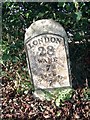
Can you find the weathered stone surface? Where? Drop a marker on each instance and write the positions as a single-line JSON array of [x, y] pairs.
[[47, 53]]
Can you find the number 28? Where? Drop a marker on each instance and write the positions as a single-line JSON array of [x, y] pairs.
[[49, 50]]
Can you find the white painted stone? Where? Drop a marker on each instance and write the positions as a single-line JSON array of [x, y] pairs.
[[47, 54]]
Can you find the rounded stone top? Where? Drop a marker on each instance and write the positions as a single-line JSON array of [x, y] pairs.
[[44, 26]]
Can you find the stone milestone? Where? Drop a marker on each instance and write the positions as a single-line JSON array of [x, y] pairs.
[[47, 54]]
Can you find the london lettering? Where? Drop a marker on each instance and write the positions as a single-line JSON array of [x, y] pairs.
[[44, 39]]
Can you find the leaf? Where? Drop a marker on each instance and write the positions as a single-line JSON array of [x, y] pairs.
[[27, 15], [64, 95], [79, 15], [77, 36]]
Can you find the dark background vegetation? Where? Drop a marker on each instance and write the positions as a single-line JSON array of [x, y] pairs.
[[74, 17], [16, 17]]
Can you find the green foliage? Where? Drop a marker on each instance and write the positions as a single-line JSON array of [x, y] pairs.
[[57, 94], [64, 94], [87, 93], [17, 16]]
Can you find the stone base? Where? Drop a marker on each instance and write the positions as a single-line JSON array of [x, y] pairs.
[[52, 94]]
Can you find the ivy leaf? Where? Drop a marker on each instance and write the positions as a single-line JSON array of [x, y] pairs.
[[79, 15]]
